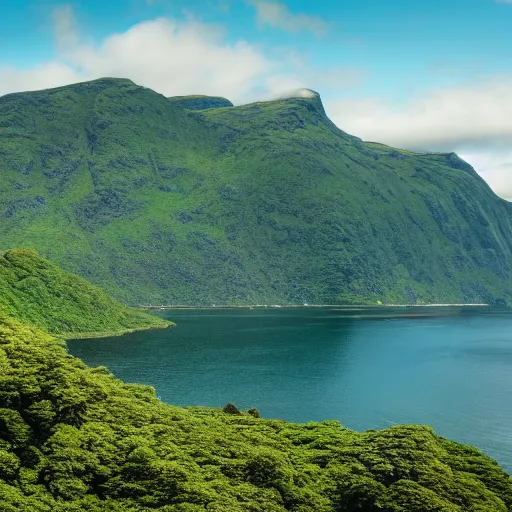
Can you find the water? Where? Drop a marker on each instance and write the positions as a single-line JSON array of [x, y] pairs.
[[445, 367]]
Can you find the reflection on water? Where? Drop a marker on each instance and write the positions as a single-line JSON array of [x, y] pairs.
[[447, 367]]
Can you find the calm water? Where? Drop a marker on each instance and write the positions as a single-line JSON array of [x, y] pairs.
[[368, 369]]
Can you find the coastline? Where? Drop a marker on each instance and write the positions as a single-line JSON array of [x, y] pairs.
[[106, 334], [304, 306]]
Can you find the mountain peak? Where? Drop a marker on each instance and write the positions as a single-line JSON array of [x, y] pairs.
[[305, 96], [89, 86], [102, 83], [110, 80]]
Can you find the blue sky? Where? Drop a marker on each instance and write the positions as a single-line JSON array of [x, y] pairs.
[[433, 75], [404, 46]]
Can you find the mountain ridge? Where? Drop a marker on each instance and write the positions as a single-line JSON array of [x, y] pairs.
[[262, 203]]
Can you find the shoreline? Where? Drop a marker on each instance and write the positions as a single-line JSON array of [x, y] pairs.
[[106, 334], [305, 306]]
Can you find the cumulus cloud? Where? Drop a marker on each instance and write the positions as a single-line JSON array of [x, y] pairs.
[[471, 116], [177, 58], [174, 58], [171, 57], [471, 120], [495, 167], [277, 15], [42, 76]]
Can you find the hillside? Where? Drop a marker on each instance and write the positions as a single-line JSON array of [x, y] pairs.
[[92, 443], [264, 203], [40, 293], [200, 102]]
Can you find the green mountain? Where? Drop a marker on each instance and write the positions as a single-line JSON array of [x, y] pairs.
[[159, 202], [40, 293], [75, 439], [199, 102]]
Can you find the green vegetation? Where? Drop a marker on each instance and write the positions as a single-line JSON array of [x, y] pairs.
[[192, 200], [39, 293], [267, 203], [199, 102], [75, 439]]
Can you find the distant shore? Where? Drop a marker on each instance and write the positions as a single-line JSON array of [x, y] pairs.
[[287, 306]]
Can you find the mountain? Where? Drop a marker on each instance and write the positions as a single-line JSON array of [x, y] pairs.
[[39, 293], [74, 438], [159, 202], [200, 102]]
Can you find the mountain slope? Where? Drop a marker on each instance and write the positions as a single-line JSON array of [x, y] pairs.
[[73, 438], [263, 203], [39, 293], [200, 102]]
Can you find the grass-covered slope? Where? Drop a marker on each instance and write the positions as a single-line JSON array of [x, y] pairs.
[[39, 293], [263, 203], [200, 102], [74, 438]]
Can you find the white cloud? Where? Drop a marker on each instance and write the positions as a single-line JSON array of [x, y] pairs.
[[471, 120], [496, 169], [171, 57], [65, 27], [277, 15], [304, 76], [301, 92], [471, 116], [174, 58], [177, 58], [42, 76]]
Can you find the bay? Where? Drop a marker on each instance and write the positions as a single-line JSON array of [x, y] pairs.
[[450, 368]]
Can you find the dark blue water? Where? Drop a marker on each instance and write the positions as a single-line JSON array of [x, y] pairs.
[[448, 368]]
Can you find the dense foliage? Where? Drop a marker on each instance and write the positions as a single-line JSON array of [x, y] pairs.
[[39, 293], [75, 439], [266, 203]]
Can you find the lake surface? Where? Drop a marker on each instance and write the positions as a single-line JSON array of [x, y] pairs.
[[445, 367]]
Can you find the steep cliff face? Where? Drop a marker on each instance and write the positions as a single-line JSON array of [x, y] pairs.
[[262, 203]]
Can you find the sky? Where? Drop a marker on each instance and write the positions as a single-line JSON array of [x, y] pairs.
[[421, 75]]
